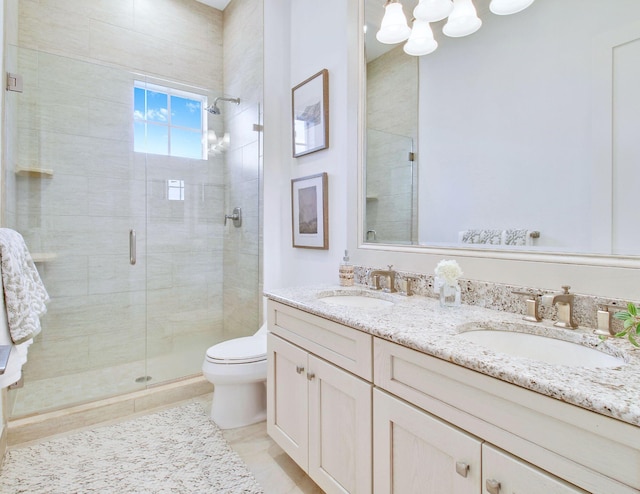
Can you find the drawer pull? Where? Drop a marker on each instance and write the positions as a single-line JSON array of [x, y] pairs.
[[462, 468], [493, 486], [311, 376], [299, 369]]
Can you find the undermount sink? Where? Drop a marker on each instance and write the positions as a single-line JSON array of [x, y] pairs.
[[542, 348], [356, 300]]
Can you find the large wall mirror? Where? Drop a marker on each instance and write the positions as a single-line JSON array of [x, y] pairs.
[[522, 136]]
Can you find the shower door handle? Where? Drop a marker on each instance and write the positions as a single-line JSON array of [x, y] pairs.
[[132, 246]]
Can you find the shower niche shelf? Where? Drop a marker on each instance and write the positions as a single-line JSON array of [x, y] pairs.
[[34, 171], [43, 256]]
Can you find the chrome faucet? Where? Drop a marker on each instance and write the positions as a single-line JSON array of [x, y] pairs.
[[389, 274], [564, 301]]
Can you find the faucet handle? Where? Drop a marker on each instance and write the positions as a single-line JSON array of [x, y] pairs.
[[389, 266], [604, 322], [376, 282], [532, 304], [410, 287], [565, 289]]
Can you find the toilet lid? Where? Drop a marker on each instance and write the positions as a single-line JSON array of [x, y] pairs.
[[239, 350]]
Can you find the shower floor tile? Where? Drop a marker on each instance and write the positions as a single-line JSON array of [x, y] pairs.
[[62, 391]]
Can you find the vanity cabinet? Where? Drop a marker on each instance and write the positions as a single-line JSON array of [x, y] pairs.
[[362, 414], [317, 411], [531, 443], [415, 452]]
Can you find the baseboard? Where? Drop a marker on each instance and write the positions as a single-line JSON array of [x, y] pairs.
[[48, 424]]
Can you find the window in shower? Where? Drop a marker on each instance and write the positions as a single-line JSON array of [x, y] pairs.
[[168, 121], [175, 190]]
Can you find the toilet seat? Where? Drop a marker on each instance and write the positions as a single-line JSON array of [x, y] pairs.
[[244, 350]]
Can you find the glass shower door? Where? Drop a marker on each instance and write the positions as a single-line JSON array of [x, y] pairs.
[[132, 247], [390, 184], [75, 191]]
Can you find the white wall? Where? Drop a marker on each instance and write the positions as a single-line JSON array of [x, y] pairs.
[[508, 127], [301, 38]]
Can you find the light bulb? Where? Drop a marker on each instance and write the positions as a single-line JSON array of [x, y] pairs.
[[394, 28], [507, 7], [433, 10], [463, 21], [421, 41]]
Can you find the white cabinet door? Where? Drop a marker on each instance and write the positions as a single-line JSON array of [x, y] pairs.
[[339, 429], [287, 400], [415, 453], [320, 415], [505, 474]]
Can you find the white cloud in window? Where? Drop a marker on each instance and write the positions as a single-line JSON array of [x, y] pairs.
[[193, 107], [159, 115]]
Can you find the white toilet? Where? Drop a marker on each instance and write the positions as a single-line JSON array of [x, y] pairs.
[[238, 370]]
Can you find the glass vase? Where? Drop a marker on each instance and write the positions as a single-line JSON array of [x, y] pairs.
[[449, 295]]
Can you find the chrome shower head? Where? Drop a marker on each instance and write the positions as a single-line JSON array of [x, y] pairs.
[[214, 110]]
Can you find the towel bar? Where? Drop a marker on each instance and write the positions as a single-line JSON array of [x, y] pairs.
[[5, 350]]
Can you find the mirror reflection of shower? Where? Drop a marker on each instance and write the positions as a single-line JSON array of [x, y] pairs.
[[218, 145]]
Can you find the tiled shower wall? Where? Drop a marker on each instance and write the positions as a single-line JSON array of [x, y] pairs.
[[243, 69], [74, 117]]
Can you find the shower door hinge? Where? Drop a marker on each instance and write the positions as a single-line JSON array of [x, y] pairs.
[[258, 128], [412, 156], [14, 82]]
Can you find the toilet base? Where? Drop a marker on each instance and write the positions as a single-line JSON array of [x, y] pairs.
[[238, 405]]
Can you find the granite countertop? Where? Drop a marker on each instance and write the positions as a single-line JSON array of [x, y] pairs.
[[421, 324]]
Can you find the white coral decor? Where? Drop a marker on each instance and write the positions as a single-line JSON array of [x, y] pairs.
[[448, 271]]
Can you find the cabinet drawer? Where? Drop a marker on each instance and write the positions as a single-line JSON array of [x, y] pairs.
[[560, 438], [508, 474], [346, 347]]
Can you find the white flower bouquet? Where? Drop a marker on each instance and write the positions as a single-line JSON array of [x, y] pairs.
[[446, 283], [448, 271]]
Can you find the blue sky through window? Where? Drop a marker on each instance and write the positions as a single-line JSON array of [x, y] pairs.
[[168, 122]]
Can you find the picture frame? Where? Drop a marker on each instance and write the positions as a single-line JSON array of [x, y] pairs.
[[310, 114], [309, 212]]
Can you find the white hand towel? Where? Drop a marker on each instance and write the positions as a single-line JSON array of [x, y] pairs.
[[17, 359], [24, 294]]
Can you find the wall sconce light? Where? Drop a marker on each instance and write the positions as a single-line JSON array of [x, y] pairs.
[[433, 10], [394, 27], [462, 20], [508, 7], [421, 41]]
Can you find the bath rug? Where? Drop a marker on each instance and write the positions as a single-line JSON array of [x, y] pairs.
[[176, 451]]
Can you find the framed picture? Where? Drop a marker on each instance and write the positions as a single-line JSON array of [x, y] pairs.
[[310, 104], [309, 218]]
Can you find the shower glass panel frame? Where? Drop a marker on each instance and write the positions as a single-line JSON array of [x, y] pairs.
[[77, 191]]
